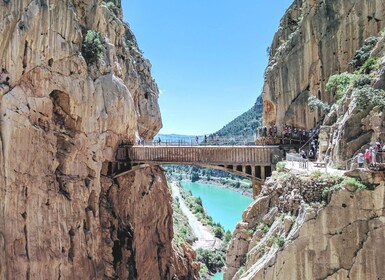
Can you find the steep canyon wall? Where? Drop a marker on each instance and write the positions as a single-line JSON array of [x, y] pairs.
[[315, 39], [61, 119]]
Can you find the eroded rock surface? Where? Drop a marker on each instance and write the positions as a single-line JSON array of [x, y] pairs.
[[344, 239], [315, 40], [61, 120]]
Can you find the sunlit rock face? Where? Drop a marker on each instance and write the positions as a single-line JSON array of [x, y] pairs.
[[314, 227], [342, 240], [315, 40], [61, 120]]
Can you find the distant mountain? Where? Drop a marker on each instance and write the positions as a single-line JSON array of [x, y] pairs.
[[175, 138], [245, 124]]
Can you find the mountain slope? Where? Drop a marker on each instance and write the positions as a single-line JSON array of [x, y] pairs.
[[245, 124]]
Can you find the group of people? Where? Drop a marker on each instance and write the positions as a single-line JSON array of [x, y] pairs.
[[372, 155], [289, 132]]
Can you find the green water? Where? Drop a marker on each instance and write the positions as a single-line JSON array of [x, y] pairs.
[[218, 276], [223, 205]]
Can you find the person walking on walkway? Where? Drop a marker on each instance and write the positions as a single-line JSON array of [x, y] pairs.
[[367, 157], [373, 155], [304, 159], [378, 152], [360, 159]]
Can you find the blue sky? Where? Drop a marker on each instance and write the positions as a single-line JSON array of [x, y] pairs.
[[208, 57]]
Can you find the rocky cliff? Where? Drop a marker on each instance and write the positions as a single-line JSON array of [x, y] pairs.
[[288, 232], [315, 40], [62, 117], [313, 226]]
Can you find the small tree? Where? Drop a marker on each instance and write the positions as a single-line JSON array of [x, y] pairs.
[[364, 52], [194, 177], [314, 103], [368, 97], [339, 84], [92, 48]]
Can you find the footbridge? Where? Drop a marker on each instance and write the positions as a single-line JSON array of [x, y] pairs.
[[254, 162]]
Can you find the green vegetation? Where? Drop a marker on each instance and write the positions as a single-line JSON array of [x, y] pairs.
[[195, 173], [355, 183], [182, 230], [92, 48], [372, 63], [341, 182], [362, 54], [195, 205], [368, 97], [111, 6], [314, 103], [244, 125], [339, 84], [280, 166], [194, 177], [213, 260], [316, 173], [362, 80], [327, 190], [279, 240], [264, 227]]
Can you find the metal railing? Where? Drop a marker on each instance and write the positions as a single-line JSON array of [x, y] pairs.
[[228, 141]]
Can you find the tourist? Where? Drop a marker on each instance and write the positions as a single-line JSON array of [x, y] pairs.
[[196, 139], [367, 156], [275, 130], [360, 159], [311, 154], [378, 152], [373, 154], [205, 139], [270, 131], [159, 141], [303, 157], [304, 134]]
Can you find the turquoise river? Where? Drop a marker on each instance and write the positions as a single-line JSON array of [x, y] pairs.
[[223, 205]]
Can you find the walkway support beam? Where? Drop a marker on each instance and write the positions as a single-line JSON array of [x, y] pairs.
[[254, 162]]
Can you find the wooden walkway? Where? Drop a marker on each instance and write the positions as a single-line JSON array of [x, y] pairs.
[[254, 162]]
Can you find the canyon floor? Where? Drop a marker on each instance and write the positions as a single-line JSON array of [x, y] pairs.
[[206, 238]]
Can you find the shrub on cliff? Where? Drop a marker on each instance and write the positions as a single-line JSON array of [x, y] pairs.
[[363, 53], [368, 97], [314, 103], [370, 64], [92, 48], [339, 84], [111, 6], [214, 260]]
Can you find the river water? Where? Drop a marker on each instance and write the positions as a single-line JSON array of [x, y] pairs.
[[223, 205]]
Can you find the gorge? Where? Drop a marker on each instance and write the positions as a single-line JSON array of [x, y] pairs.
[[74, 86]]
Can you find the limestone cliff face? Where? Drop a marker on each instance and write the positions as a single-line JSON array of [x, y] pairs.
[[61, 216], [348, 127], [315, 40], [285, 234]]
